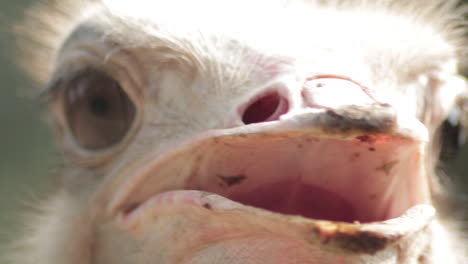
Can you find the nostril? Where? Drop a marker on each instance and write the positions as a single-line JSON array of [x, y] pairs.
[[267, 108]]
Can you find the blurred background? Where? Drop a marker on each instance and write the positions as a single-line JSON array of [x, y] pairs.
[[27, 155]]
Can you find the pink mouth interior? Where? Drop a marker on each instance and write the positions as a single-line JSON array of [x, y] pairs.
[[299, 199], [367, 179]]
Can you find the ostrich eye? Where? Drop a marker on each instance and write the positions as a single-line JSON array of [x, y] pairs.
[[452, 135], [99, 113]]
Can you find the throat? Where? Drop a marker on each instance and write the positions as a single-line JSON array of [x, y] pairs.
[[294, 198]]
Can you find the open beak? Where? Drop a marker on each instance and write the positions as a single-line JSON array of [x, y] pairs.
[[332, 178]]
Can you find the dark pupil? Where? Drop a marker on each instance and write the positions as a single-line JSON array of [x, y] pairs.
[[99, 106]]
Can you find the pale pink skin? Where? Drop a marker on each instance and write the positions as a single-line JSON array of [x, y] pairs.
[[294, 138]]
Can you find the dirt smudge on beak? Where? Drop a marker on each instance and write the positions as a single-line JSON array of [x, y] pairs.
[[228, 181]]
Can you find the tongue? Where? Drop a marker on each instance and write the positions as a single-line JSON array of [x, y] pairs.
[[298, 199]]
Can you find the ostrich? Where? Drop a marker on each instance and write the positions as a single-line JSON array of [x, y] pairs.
[[246, 131]]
